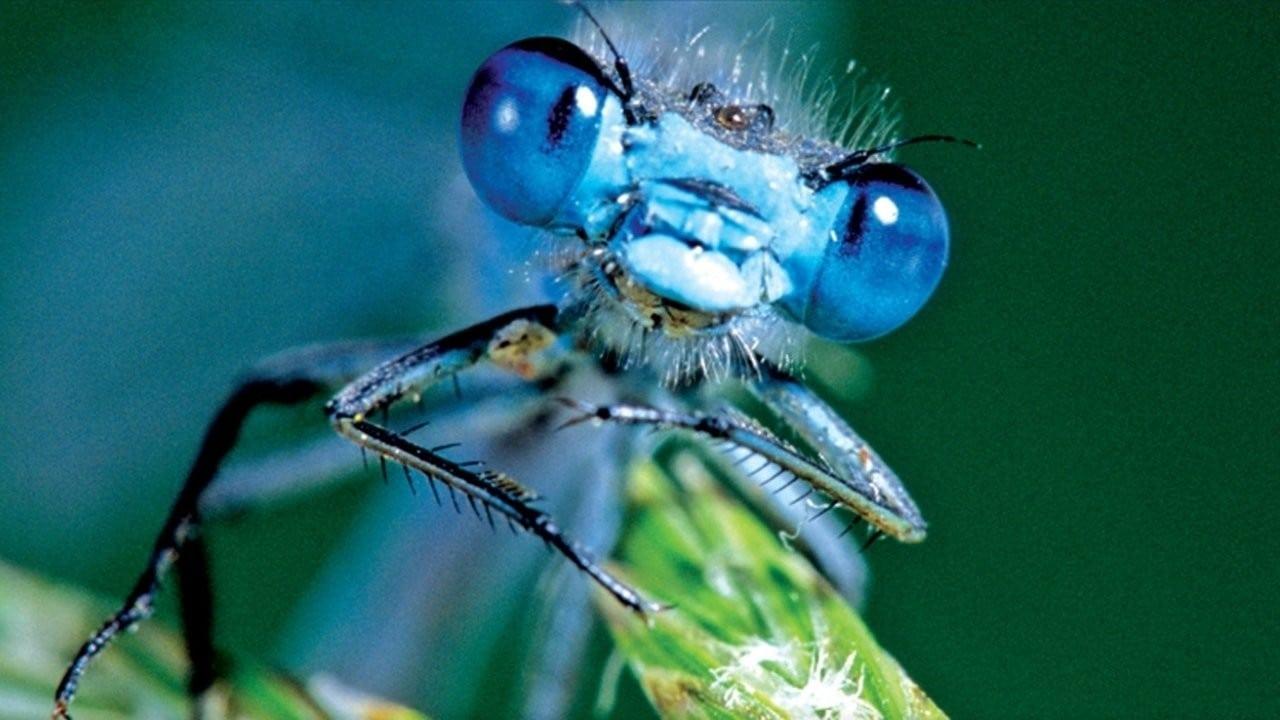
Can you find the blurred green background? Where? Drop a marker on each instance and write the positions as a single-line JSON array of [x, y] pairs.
[[1087, 412]]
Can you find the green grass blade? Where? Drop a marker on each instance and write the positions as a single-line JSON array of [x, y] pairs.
[[142, 675], [756, 632]]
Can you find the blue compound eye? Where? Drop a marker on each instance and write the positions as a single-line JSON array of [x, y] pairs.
[[529, 126], [884, 259]]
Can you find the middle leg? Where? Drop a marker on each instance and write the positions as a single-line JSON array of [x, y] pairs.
[[858, 480]]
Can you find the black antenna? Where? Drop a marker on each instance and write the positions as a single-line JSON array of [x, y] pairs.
[[859, 157], [619, 63]]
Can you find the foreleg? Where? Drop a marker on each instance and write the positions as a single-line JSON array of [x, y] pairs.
[[512, 340]]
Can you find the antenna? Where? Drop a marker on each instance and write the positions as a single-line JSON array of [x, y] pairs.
[[620, 66], [859, 157]]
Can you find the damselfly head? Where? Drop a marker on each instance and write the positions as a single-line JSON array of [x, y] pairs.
[[700, 210]]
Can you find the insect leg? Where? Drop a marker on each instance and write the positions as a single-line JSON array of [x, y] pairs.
[[863, 492], [412, 372], [846, 452], [286, 379], [195, 590]]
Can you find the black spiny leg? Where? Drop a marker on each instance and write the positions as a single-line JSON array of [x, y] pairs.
[[288, 379], [500, 494], [863, 484], [179, 528], [510, 339], [851, 458]]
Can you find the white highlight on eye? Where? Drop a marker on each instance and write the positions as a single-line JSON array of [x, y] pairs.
[[506, 119], [886, 210], [586, 100]]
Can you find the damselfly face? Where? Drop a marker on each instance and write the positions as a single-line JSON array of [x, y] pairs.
[[697, 217]]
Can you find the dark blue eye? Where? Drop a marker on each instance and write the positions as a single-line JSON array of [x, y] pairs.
[[529, 126], [884, 259]]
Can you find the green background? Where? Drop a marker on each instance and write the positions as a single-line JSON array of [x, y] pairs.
[[1086, 412]]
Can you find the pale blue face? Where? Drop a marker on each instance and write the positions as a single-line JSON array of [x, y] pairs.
[[699, 206]]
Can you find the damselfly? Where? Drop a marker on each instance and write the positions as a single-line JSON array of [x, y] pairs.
[[697, 224]]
